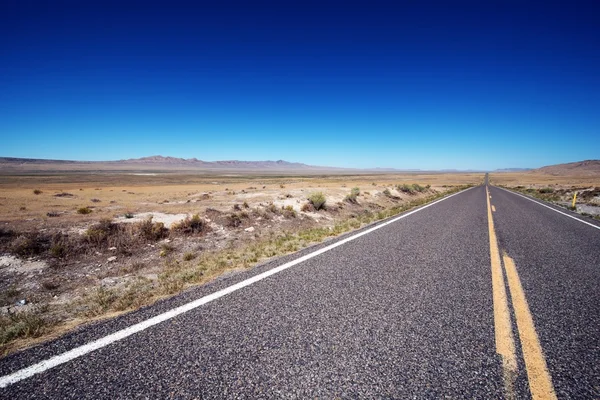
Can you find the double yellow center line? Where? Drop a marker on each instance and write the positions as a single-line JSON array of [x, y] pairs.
[[540, 381]]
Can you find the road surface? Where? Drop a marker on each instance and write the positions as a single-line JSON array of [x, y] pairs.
[[484, 294]]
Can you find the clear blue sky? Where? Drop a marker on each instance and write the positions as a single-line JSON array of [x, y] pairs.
[[421, 84]]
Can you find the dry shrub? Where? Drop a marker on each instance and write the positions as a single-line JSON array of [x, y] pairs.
[[192, 225], [273, 209], [289, 212], [318, 200], [28, 244], [22, 325], [234, 221], [307, 207], [106, 234], [61, 246], [152, 231]]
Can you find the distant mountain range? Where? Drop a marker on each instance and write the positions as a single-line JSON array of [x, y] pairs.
[[194, 162], [512, 169], [171, 164], [585, 168], [159, 163]]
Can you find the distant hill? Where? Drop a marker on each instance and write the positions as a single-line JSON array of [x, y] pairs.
[[581, 168], [159, 163], [512, 170]]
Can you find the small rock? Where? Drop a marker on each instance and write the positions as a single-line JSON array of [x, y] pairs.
[[112, 248], [21, 302], [251, 229], [111, 259]]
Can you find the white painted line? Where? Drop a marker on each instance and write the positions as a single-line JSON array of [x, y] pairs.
[[553, 209], [122, 334]]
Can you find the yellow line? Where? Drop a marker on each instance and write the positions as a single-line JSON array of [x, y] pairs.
[[540, 381], [505, 344], [493, 208]]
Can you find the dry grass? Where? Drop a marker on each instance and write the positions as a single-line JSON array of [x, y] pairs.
[[542, 180]]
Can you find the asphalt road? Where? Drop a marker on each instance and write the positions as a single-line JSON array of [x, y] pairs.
[[405, 311]]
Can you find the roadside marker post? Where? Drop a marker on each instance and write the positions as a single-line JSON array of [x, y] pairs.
[[574, 199]]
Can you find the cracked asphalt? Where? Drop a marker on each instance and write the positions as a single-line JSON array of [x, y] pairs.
[[403, 312]]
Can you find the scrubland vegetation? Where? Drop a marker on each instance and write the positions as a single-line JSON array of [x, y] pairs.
[[114, 258]]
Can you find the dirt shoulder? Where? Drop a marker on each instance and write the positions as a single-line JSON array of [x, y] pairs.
[[560, 190], [80, 251]]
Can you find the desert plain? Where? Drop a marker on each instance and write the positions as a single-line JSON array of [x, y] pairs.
[[78, 246]]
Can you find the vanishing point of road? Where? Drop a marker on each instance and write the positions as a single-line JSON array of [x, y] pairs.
[[483, 294]]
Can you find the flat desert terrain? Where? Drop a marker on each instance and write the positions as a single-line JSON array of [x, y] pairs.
[[78, 246]]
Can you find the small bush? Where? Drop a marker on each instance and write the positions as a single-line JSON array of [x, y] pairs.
[[191, 225], [245, 205], [58, 250], [546, 190], [317, 200], [99, 233], [37, 191], [152, 231], [404, 188], [84, 210], [52, 214], [234, 221], [95, 200], [418, 188], [27, 245], [188, 256], [100, 301], [21, 325], [273, 208], [129, 215], [387, 193], [237, 207], [166, 249], [289, 212], [307, 207], [351, 198]]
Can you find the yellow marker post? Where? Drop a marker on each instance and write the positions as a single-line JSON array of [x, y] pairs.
[[574, 199]]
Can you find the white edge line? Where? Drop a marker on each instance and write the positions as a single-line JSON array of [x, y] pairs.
[[122, 334], [547, 206]]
